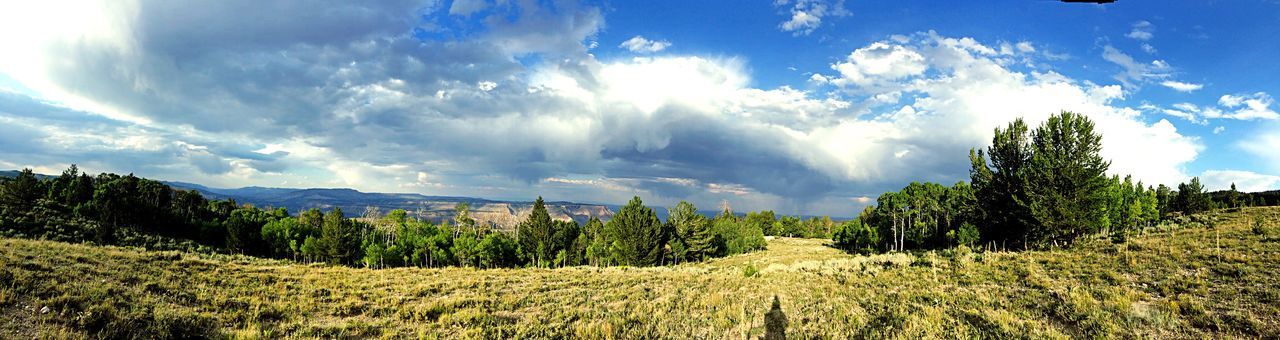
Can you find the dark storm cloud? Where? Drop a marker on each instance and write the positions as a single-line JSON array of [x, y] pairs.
[[35, 129]]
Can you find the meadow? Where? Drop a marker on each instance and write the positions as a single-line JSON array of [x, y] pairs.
[[1214, 275]]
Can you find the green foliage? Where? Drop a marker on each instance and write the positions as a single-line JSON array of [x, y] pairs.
[[536, 236], [857, 237], [22, 190], [734, 236], [637, 235], [1094, 289], [692, 238], [497, 250], [1044, 187], [339, 238], [1191, 198], [967, 235], [922, 215], [1066, 181], [999, 180]]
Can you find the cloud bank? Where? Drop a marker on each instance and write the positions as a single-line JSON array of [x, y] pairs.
[[506, 100]]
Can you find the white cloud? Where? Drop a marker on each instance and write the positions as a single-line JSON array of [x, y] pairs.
[[1142, 30], [1255, 106], [467, 7], [1219, 129], [1025, 47], [878, 63], [1245, 181], [639, 44], [957, 87], [806, 15], [1248, 106], [1135, 72], [1181, 86], [1264, 146], [366, 107]]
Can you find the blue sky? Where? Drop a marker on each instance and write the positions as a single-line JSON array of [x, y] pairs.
[[806, 106]]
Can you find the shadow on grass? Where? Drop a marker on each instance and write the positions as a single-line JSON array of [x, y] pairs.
[[775, 322]]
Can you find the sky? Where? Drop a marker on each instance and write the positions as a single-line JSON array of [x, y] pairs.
[[800, 106]]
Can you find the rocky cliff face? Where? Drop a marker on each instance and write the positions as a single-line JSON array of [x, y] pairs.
[[506, 215]]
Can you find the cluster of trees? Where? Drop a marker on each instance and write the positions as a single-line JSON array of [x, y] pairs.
[[77, 207], [1031, 189], [792, 226], [1235, 199], [921, 215], [633, 237]]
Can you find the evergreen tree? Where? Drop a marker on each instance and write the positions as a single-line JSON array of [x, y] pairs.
[[1192, 198], [637, 234], [998, 177], [22, 190], [536, 237], [339, 238], [692, 233], [1066, 180]]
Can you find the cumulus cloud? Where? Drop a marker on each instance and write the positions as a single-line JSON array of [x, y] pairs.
[[878, 63], [639, 44], [1181, 86], [964, 89], [417, 96], [1245, 181], [805, 16]]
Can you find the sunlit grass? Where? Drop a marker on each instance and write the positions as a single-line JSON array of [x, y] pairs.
[[1169, 282]]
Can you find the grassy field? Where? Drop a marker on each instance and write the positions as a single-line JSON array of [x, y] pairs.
[[1168, 282]]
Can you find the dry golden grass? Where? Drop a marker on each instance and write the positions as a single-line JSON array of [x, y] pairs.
[[1190, 282]]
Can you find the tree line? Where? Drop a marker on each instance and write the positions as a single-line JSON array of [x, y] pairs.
[[1031, 189], [112, 209]]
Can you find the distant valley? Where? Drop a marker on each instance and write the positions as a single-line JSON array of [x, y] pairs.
[[499, 214]]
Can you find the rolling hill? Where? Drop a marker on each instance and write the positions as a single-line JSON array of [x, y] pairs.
[[1172, 281]]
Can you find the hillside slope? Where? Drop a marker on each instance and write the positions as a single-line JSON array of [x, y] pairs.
[[1180, 282]]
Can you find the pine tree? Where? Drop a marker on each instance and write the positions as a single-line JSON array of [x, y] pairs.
[[637, 234], [692, 232], [535, 235], [339, 238], [23, 190], [1191, 197], [1066, 180], [1000, 187]]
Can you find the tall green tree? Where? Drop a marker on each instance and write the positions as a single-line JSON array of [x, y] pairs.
[[692, 236], [339, 238], [1192, 198], [999, 179], [22, 190], [637, 235], [536, 236], [1067, 180]]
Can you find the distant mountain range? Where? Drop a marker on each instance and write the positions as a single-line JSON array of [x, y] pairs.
[[500, 214]]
